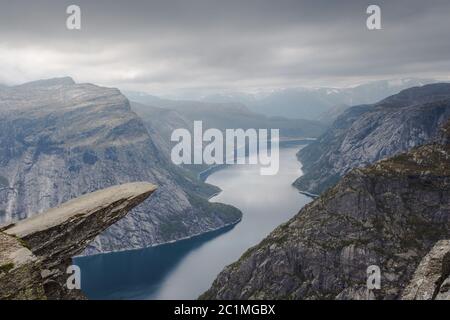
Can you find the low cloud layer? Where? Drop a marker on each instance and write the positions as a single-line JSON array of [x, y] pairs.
[[204, 46]]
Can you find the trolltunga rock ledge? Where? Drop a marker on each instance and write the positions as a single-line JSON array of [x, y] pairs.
[[47, 242]]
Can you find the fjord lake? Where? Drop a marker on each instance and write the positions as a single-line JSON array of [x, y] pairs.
[[186, 268]]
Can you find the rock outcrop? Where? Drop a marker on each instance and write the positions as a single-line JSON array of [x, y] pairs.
[[365, 134], [60, 140], [389, 214], [36, 252], [20, 271], [431, 281]]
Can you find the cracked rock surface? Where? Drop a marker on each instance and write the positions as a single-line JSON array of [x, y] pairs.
[[36, 252]]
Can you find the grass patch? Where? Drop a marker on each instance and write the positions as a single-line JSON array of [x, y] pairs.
[[23, 243], [5, 268]]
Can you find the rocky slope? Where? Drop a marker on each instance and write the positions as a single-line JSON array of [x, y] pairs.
[[160, 123], [36, 252], [431, 281], [389, 214], [368, 133], [59, 140]]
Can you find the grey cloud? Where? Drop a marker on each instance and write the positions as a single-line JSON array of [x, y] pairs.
[[167, 45]]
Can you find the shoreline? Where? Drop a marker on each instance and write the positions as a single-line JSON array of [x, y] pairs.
[[199, 234], [308, 194], [203, 175]]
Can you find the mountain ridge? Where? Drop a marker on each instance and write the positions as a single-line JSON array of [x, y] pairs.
[[367, 133]]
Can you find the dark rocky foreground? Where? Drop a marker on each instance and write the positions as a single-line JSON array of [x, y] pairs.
[[35, 252], [389, 214]]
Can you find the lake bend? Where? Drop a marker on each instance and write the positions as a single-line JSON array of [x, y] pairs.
[[186, 268]]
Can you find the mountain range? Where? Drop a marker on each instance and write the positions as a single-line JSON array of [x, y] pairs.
[[315, 103], [228, 115], [162, 116]]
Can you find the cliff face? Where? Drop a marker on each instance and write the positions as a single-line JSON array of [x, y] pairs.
[[160, 123], [365, 134], [431, 281], [59, 140], [389, 214], [36, 252]]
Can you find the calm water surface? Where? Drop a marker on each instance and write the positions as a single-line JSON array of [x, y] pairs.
[[185, 269]]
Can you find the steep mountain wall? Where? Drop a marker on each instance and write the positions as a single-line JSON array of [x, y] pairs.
[[59, 140], [368, 133]]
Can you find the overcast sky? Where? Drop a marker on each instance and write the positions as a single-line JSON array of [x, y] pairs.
[[170, 46]]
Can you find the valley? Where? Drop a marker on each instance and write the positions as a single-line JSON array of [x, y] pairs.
[[393, 213], [202, 219], [185, 269], [249, 151]]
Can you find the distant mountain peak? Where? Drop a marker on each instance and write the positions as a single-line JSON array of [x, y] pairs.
[[420, 94], [61, 81], [428, 89]]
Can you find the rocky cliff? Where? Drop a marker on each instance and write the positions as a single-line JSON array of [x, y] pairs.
[[431, 281], [35, 252], [59, 140], [365, 134], [389, 214]]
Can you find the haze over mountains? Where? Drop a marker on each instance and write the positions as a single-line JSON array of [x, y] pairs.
[[321, 103], [165, 115], [311, 103], [229, 115]]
